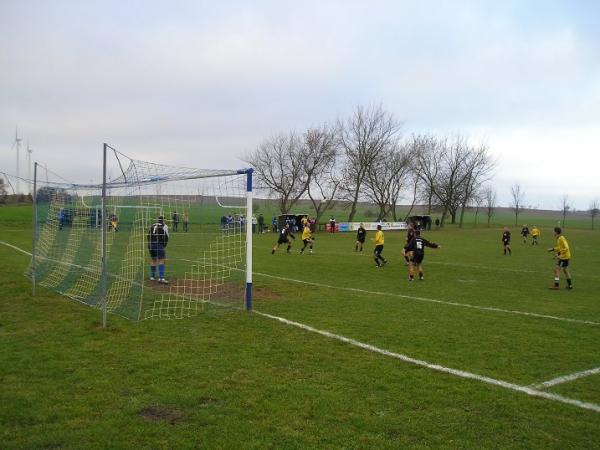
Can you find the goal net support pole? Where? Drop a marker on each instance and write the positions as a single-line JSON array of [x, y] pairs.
[[249, 225], [34, 235]]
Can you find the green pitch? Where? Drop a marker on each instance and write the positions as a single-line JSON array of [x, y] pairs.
[[244, 380]]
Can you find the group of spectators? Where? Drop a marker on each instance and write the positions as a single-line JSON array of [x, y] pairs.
[[231, 223]]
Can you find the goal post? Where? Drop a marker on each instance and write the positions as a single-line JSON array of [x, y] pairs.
[[249, 230], [91, 241]]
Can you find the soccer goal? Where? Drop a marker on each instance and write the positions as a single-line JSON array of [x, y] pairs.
[[91, 241]]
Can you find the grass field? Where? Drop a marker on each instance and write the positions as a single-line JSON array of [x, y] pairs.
[[365, 360]]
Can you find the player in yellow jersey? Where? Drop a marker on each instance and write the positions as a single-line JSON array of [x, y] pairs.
[[535, 234], [379, 241], [307, 239], [563, 256]]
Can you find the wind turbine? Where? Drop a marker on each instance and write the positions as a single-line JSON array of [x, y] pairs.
[[17, 143]]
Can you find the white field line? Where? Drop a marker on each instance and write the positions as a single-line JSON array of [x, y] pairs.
[[566, 378], [15, 248], [436, 367], [431, 300], [459, 373], [409, 297]]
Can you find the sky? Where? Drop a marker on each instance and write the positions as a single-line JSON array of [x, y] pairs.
[[202, 83]]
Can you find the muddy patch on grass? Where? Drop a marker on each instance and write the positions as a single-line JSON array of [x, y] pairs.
[[162, 414], [205, 402]]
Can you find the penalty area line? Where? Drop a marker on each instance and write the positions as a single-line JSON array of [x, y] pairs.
[[432, 300], [566, 378], [438, 368]]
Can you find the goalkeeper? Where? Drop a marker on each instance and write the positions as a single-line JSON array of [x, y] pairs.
[[158, 237]]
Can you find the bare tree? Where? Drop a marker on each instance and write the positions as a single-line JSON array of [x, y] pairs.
[[565, 207], [385, 179], [594, 210], [279, 168], [449, 188], [517, 200], [478, 169], [320, 153], [414, 188], [363, 137], [477, 202], [489, 201], [426, 151]]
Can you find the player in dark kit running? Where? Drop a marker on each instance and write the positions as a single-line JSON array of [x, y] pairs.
[[506, 241], [361, 235], [158, 237], [284, 236], [415, 252], [525, 233]]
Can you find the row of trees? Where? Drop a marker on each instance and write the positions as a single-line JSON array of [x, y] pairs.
[[365, 157], [517, 201]]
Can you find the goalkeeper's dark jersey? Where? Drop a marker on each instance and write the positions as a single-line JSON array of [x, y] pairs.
[[418, 244], [158, 235]]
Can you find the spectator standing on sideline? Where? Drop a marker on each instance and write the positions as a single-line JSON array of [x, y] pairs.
[[175, 221], [261, 223]]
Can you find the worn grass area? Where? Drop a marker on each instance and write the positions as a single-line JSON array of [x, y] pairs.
[[241, 380]]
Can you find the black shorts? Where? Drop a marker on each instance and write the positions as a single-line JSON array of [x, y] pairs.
[[283, 241], [307, 241], [417, 257], [157, 251], [505, 242], [361, 240], [562, 263], [378, 249]]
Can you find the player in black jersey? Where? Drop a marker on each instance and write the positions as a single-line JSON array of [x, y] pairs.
[[525, 233], [158, 237], [506, 241], [361, 235], [284, 236], [410, 234], [414, 251]]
